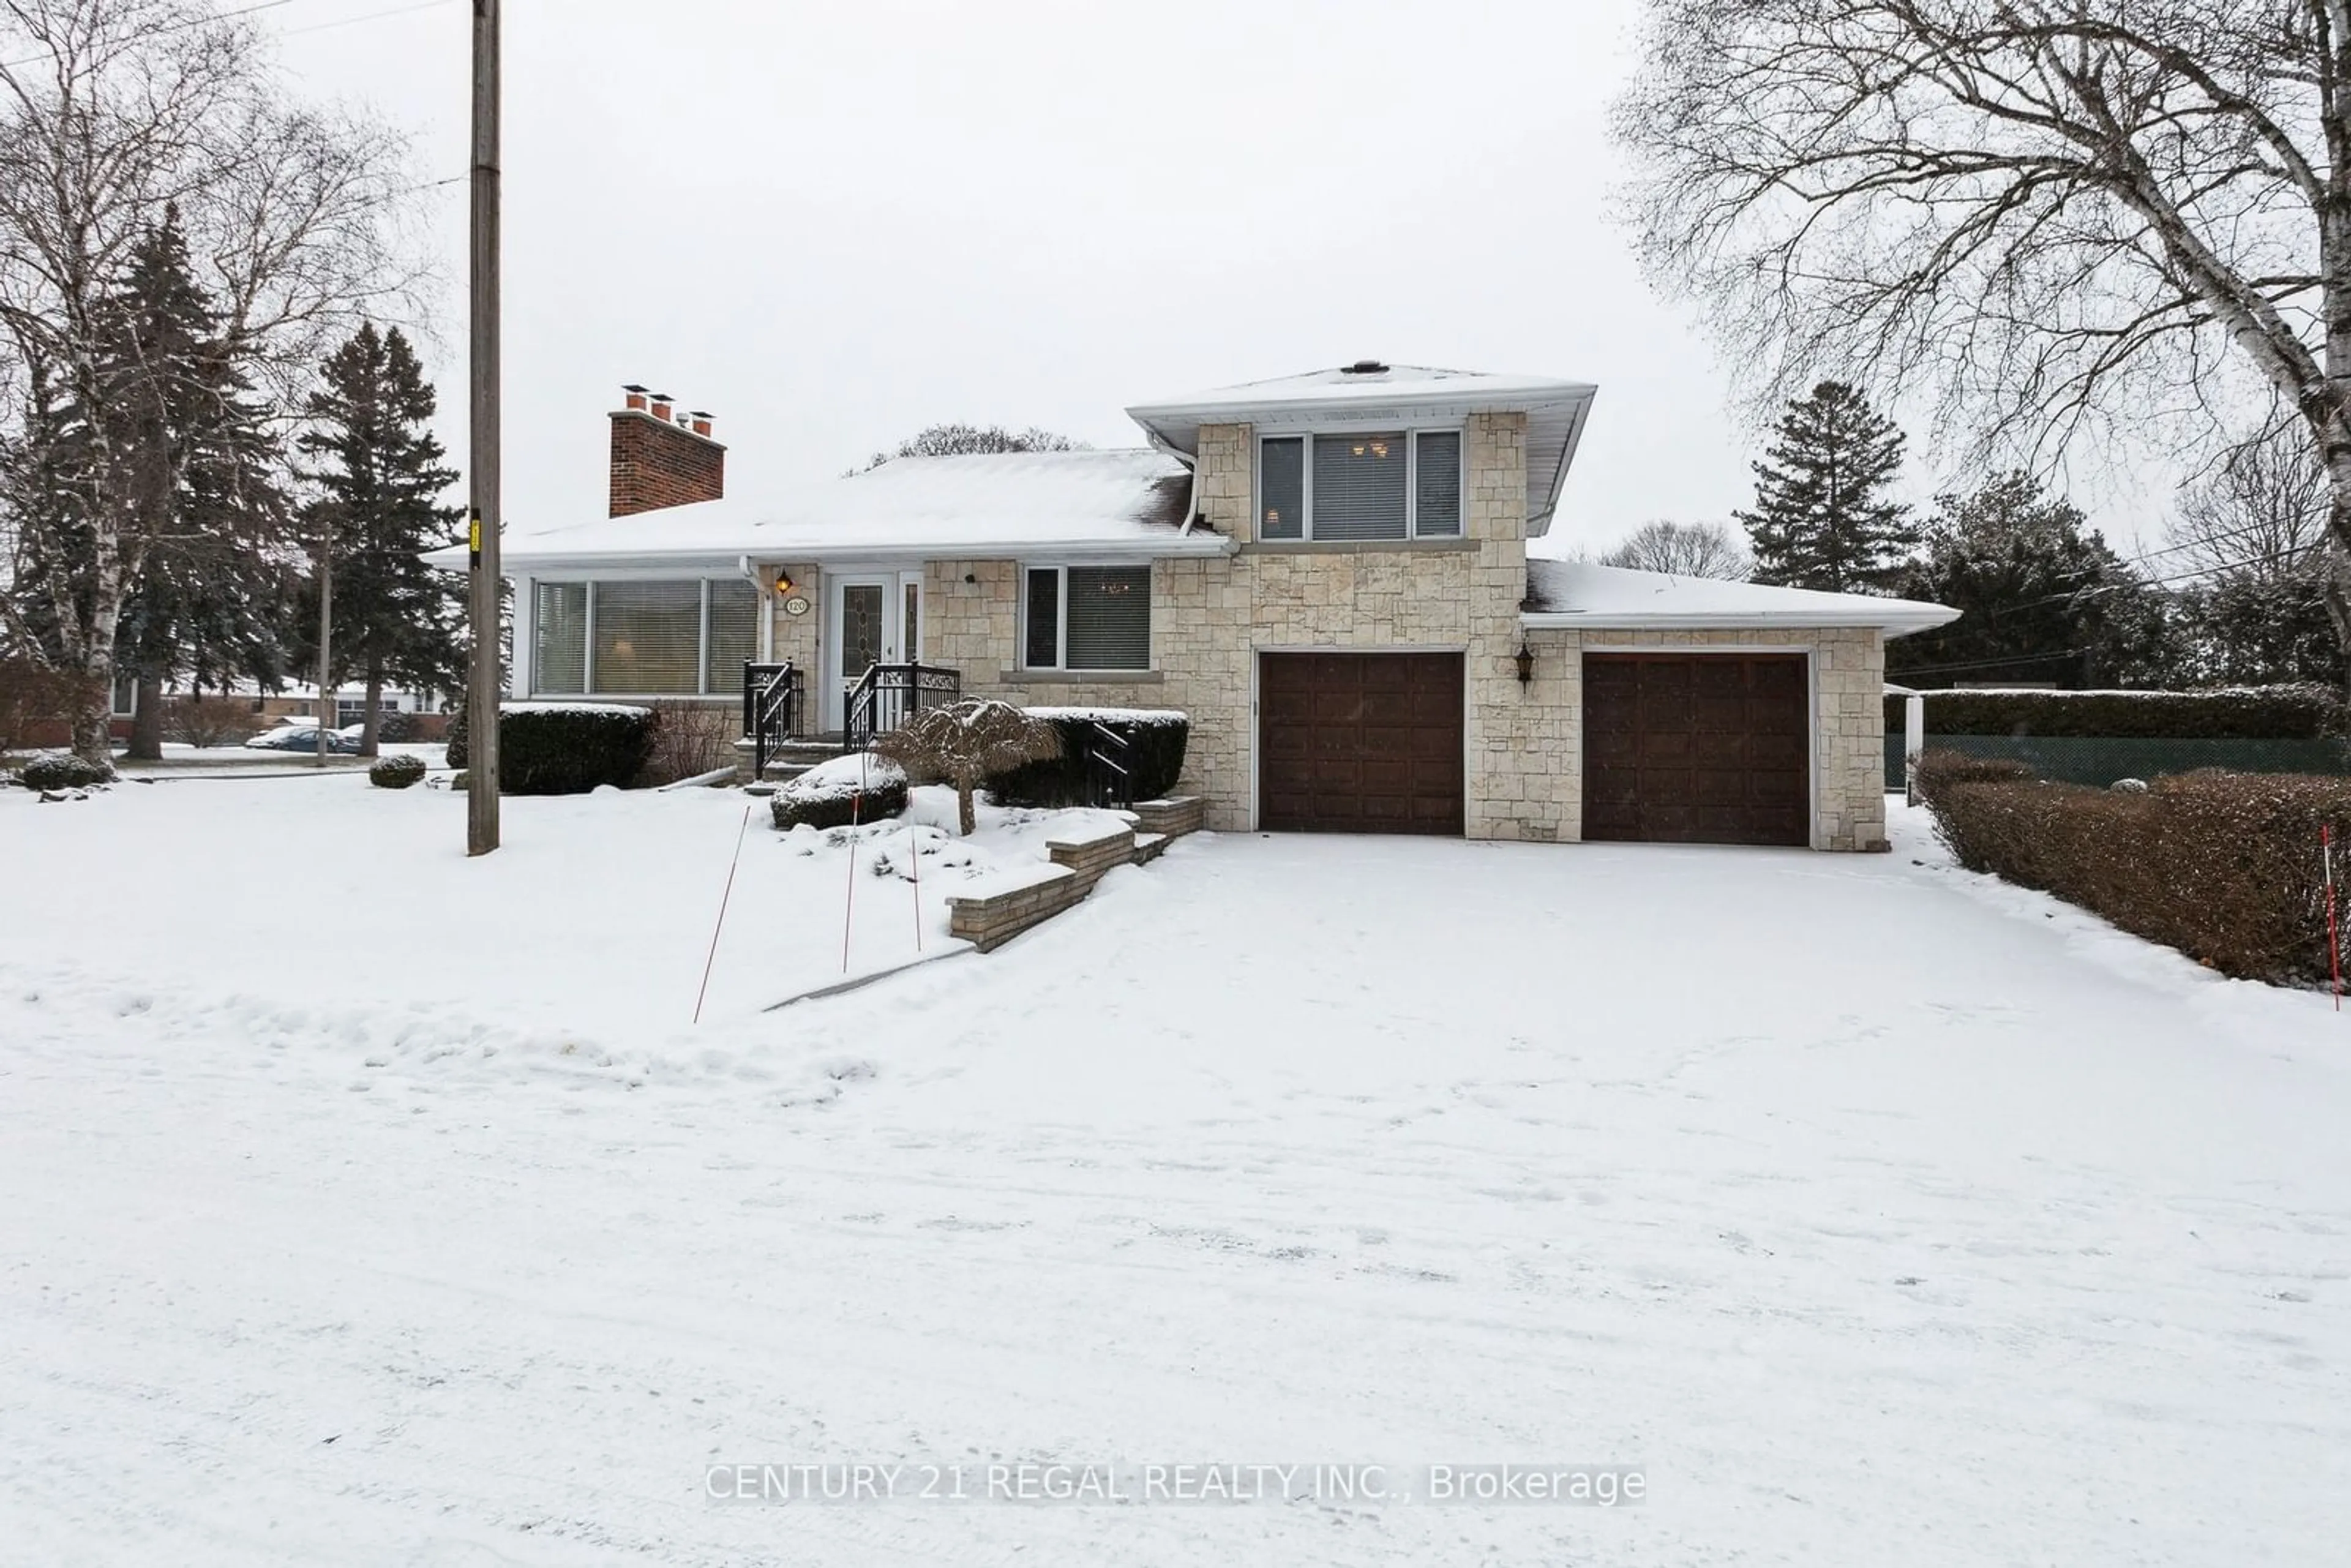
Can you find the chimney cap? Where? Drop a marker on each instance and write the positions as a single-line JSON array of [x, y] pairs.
[[663, 397], [631, 386], [700, 414]]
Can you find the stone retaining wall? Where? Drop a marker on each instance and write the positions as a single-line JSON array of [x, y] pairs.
[[989, 922]]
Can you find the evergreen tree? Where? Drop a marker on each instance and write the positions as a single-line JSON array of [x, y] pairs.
[[1822, 517], [378, 510], [2041, 596], [170, 422], [2253, 629]]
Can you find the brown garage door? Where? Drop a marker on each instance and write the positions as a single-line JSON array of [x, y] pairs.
[[1705, 748], [1360, 743]]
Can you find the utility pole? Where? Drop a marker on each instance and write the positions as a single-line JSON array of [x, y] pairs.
[[326, 714], [485, 677]]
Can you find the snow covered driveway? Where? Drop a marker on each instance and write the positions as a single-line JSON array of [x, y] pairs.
[[1876, 1213]]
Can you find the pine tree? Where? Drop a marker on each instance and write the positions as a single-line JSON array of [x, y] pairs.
[[377, 511], [2041, 596], [1823, 518], [170, 422]]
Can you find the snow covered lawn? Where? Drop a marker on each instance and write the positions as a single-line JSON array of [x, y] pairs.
[[365, 1205]]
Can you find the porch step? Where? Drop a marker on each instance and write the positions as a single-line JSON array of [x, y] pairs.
[[791, 758]]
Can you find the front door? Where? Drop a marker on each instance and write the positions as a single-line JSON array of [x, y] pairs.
[[875, 618]]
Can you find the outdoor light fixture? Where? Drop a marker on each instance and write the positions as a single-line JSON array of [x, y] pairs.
[[783, 581], [1526, 660]]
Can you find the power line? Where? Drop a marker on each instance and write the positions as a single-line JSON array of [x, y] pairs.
[[204, 21], [370, 16], [261, 5]]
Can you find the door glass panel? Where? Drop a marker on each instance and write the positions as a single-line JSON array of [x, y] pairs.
[[910, 624], [861, 604]]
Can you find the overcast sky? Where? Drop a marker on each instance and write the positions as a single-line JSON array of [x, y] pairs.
[[834, 223]]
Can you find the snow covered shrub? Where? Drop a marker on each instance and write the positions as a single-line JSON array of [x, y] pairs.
[[563, 748], [2223, 866], [831, 794], [397, 772], [1155, 741], [2305, 712], [63, 771], [966, 744]]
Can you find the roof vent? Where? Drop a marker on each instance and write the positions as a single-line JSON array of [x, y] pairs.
[[1365, 368]]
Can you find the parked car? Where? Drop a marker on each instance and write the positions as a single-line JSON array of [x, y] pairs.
[[303, 738]]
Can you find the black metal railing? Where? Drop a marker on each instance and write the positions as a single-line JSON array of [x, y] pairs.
[[886, 695], [1108, 766], [770, 710]]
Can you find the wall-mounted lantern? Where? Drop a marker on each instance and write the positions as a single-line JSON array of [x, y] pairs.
[[1526, 660]]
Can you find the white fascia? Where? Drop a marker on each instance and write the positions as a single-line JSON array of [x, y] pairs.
[[1892, 625], [726, 563]]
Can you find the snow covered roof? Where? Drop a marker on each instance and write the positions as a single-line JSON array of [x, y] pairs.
[[1127, 503], [1572, 593], [1369, 394]]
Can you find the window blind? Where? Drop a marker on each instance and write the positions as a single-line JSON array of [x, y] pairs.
[[1281, 489], [648, 638], [1110, 618], [1436, 472], [734, 632], [559, 659], [1044, 639], [1359, 486]]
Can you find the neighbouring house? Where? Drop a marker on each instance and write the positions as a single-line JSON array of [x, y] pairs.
[[1328, 573]]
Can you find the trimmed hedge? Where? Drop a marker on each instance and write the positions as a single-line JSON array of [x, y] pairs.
[[63, 771], [1156, 738], [2307, 712], [564, 749], [830, 795], [397, 772], [2225, 867]]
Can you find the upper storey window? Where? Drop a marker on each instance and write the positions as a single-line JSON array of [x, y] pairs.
[[1375, 485]]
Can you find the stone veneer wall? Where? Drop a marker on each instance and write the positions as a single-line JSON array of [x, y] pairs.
[[1848, 763], [1212, 616]]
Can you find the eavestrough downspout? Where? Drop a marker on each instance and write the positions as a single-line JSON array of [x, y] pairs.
[[1192, 463]]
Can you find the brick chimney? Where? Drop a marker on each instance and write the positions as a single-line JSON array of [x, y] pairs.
[[663, 458]]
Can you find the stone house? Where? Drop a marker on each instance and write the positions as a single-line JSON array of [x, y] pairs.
[[1329, 573]]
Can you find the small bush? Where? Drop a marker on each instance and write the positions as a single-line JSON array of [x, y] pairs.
[[2305, 712], [63, 771], [693, 738], [36, 703], [564, 749], [967, 743], [829, 794], [210, 721], [397, 772], [1155, 742], [2223, 866], [1940, 769]]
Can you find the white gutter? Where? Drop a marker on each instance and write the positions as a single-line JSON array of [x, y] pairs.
[[642, 562], [1191, 466], [1892, 625]]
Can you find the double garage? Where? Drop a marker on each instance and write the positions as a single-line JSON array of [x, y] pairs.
[[1679, 747]]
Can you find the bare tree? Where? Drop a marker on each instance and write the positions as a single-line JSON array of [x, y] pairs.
[[2051, 216], [112, 114], [963, 440], [967, 743], [1685, 550], [2269, 581], [2261, 511]]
